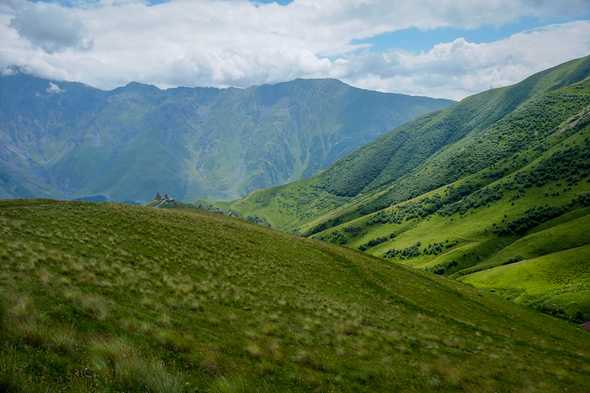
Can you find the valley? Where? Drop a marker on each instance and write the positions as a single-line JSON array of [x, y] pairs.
[[294, 196], [493, 191]]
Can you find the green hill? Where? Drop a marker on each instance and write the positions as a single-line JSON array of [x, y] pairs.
[[194, 143], [467, 189], [111, 298], [427, 153]]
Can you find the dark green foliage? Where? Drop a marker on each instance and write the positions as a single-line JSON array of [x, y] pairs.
[[531, 218], [336, 237], [439, 248], [442, 270], [536, 216], [408, 211], [481, 197], [515, 259], [405, 253], [257, 220], [375, 242], [415, 250], [571, 165]]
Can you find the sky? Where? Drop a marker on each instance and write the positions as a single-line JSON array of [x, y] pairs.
[[437, 48]]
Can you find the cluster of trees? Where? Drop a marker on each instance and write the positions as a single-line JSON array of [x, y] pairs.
[[531, 218], [376, 241], [439, 248], [408, 211], [537, 215], [482, 197], [334, 237], [443, 269], [405, 253], [571, 164]]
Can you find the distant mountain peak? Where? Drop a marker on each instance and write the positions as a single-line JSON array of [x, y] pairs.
[[138, 86]]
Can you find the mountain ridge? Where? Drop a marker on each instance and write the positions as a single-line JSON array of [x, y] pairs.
[[194, 142]]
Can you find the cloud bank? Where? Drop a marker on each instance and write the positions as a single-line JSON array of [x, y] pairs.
[[241, 43]]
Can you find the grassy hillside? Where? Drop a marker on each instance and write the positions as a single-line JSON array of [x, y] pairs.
[[529, 212], [493, 191], [120, 298], [428, 153], [193, 143]]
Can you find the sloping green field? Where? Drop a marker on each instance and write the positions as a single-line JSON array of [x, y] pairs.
[[500, 178], [561, 278], [112, 298]]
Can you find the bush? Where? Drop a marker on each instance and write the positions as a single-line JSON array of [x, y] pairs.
[[405, 253], [375, 242], [531, 218]]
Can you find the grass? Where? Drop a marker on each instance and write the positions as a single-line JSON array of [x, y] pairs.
[[531, 204], [117, 298], [555, 281], [475, 246], [498, 178]]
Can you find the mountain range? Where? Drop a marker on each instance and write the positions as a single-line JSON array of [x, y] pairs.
[[390, 280], [494, 191], [69, 140]]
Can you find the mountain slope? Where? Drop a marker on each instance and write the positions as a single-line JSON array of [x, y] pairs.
[[119, 298], [502, 207], [427, 153], [66, 139]]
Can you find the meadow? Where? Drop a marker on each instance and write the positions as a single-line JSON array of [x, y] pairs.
[[115, 298]]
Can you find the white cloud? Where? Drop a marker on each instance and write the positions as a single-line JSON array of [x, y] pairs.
[[460, 68], [54, 89], [238, 43]]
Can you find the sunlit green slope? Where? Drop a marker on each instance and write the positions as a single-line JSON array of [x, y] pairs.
[[471, 188], [428, 153], [529, 211], [113, 298]]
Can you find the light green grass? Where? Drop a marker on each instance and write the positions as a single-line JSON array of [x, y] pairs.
[[559, 280]]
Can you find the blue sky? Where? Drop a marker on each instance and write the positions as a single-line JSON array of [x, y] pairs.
[[414, 39], [427, 47]]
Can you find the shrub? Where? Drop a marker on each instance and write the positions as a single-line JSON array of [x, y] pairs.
[[375, 242], [405, 253]]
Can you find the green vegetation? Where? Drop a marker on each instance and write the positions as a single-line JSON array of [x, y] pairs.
[[191, 142], [499, 181], [434, 150], [111, 298]]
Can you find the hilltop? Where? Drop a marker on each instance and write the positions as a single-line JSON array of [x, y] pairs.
[[103, 297], [492, 191]]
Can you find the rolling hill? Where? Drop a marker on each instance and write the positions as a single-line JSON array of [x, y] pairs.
[[493, 191], [111, 298], [68, 140]]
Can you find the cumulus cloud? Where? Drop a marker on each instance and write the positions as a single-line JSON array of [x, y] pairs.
[[459, 68], [240, 43]]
